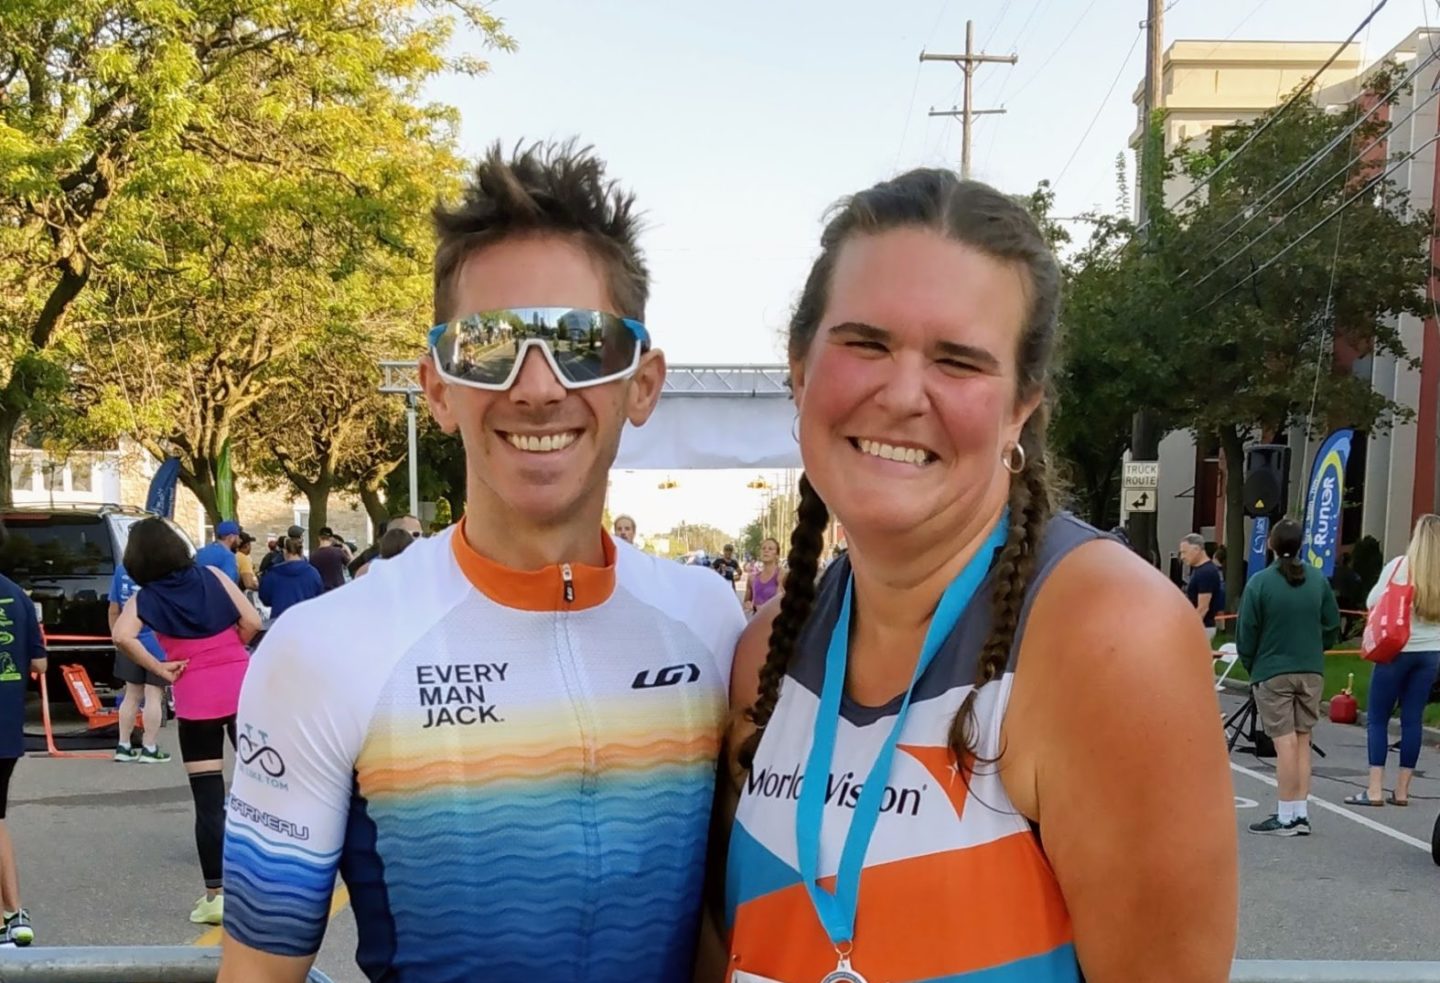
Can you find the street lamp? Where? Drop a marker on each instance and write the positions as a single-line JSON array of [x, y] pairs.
[[404, 378]]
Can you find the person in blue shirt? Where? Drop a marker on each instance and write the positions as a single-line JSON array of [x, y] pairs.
[[140, 685], [221, 553], [1206, 588], [289, 583], [22, 651]]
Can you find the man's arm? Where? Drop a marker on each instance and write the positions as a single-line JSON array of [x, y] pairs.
[[288, 807]]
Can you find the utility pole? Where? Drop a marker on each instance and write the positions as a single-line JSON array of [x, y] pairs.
[[1145, 431], [968, 62]]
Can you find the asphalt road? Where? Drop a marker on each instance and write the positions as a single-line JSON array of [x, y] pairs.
[[107, 856]]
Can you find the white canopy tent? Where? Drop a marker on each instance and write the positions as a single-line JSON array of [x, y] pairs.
[[716, 416], [709, 416]]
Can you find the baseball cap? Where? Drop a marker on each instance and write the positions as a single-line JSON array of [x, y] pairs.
[[227, 528], [295, 531]]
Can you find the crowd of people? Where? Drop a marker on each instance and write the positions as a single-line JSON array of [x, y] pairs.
[[533, 751]]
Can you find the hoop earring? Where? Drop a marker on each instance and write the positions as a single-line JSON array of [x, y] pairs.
[[795, 428], [1007, 458]]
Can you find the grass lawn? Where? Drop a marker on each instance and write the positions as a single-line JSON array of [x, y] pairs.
[[1337, 668]]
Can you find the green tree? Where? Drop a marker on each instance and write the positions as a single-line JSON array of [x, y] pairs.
[[116, 114], [1105, 368]]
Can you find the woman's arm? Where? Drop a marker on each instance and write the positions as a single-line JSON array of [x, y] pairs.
[[1113, 745], [1381, 584], [125, 633], [250, 621]]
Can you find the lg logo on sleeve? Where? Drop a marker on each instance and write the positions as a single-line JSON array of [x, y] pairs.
[[669, 676]]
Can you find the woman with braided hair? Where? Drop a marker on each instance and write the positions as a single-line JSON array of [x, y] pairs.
[[984, 744]]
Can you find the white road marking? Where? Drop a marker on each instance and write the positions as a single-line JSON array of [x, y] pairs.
[[1350, 814], [1243, 803]]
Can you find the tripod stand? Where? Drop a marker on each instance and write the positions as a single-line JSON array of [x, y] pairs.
[[1244, 721]]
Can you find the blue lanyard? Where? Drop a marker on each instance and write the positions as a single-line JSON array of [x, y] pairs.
[[837, 911]]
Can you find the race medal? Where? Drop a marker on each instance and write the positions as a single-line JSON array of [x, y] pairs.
[[844, 974]]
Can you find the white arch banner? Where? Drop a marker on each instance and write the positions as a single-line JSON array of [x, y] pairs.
[[696, 431]]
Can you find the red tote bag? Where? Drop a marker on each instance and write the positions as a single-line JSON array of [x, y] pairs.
[[1387, 630]]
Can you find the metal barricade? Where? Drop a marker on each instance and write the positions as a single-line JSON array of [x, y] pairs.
[[117, 964], [1288, 971]]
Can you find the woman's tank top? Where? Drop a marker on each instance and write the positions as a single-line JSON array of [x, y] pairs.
[[764, 590], [210, 685], [955, 882]]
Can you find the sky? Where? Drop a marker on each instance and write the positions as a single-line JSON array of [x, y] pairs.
[[738, 124]]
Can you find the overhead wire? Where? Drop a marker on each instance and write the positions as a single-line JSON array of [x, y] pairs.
[[1057, 49], [1124, 63], [1248, 212], [1369, 185], [1295, 97], [1319, 188], [915, 86]]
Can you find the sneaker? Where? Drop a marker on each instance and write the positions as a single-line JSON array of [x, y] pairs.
[[1301, 825], [123, 753], [147, 757], [18, 929], [1274, 827], [209, 911]]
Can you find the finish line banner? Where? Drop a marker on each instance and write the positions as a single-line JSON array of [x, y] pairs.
[[1324, 502]]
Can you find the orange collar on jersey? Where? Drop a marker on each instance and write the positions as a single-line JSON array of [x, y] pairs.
[[537, 590]]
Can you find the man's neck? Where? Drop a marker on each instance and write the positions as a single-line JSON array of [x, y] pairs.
[[497, 534]]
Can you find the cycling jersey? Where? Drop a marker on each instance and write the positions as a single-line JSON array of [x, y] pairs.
[[511, 770]]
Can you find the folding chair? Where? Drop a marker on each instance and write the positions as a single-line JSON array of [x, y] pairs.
[[1228, 655], [84, 693]]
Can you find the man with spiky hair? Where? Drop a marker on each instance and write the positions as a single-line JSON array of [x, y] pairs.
[[507, 750]]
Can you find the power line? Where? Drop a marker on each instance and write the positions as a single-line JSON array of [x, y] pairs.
[[1063, 41], [1294, 98], [1124, 63], [915, 87], [1320, 188], [1324, 221], [998, 21], [1249, 212]]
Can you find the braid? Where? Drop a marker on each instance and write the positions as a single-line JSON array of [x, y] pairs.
[[806, 544], [1029, 512]]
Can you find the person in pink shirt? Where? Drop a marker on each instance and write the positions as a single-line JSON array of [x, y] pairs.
[[202, 622], [764, 584]]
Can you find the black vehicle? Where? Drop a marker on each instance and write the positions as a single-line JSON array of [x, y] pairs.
[[64, 558]]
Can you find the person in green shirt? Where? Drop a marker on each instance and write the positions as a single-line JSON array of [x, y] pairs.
[[1288, 618]]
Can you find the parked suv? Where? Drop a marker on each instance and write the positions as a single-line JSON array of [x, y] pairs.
[[64, 558]]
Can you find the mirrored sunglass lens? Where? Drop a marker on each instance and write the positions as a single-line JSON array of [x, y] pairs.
[[587, 345]]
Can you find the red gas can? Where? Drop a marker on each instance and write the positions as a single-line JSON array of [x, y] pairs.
[[1342, 705]]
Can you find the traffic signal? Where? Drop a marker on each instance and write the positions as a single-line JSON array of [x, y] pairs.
[[1267, 480]]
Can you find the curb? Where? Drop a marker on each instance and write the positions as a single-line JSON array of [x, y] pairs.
[[1360, 720]]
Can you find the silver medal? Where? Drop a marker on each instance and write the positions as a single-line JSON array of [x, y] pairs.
[[844, 974]]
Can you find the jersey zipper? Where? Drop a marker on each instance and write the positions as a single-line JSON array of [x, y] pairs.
[[575, 683]]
